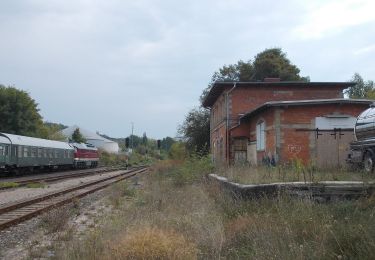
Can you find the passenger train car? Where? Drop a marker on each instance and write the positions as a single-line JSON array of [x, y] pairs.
[[21, 153]]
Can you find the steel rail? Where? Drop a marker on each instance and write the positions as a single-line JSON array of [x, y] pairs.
[[16, 212], [55, 177]]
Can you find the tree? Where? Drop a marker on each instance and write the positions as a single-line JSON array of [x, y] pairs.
[[166, 143], [268, 63], [78, 137], [144, 139], [19, 113], [362, 89], [273, 63], [196, 130], [52, 131]]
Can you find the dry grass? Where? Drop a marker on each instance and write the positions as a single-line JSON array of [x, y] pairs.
[[152, 243], [197, 220], [119, 192], [56, 220]]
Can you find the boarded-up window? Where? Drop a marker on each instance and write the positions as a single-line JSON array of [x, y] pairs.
[[260, 135]]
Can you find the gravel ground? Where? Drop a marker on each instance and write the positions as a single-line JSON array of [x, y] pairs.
[[29, 240], [21, 193]]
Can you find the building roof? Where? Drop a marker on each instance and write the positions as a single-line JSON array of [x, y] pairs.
[[88, 135], [84, 146], [32, 141], [305, 103], [219, 87]]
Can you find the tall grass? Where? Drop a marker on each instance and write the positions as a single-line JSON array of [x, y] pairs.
[[295, 171], [168, 218], [288, 228]]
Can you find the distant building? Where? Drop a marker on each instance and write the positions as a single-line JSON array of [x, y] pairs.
[[276, 122], [93, 138]]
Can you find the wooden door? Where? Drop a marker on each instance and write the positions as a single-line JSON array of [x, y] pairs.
[[332, 148]]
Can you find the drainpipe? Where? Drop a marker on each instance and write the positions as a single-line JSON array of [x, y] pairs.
[[227, 130]]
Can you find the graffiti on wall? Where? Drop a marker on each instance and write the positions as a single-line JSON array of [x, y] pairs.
[[294, 148]]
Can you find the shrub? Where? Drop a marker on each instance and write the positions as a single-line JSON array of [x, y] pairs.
[[178, 151], [192, 170], [109, 159]]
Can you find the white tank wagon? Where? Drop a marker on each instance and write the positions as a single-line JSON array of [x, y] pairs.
[[362, 151]]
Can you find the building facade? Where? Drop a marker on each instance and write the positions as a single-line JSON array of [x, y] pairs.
[[234, 132]]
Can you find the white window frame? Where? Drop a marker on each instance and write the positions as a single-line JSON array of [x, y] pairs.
[[260, 135]]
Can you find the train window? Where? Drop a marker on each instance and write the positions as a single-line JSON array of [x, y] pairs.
[[40, 152], [50, 153], [33, 152], [56, 154], [19, 151], [25, 151], [45, 152], [1, 150], [6, 150]]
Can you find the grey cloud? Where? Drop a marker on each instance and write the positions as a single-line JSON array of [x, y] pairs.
[[104, 64]]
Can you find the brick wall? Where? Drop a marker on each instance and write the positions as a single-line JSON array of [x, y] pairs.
[[245, 98], [283, 141]]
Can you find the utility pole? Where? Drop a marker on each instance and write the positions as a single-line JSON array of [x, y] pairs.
[[131, 138]]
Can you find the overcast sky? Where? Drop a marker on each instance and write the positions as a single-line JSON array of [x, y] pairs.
[[104, 64]]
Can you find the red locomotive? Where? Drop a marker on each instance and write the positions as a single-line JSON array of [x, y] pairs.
[[85, 155]]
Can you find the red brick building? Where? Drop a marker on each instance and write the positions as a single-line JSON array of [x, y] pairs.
[[280, 121]]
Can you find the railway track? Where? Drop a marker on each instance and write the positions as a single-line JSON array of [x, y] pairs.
[[16, 212], [49, 177]]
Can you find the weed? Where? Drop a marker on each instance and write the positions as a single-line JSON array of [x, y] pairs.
[[36, 185], [119, 191], [56, 220], [8, 185], [35, 251]]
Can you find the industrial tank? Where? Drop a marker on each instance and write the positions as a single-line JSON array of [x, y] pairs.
[[365, 125]]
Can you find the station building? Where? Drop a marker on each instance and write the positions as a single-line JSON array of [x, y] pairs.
[[275, 121]]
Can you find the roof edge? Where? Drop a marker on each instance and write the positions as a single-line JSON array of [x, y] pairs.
[[210, 98], [304, 103]]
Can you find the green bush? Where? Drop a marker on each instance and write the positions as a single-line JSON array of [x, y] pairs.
[[178, 151], [110, 159]]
